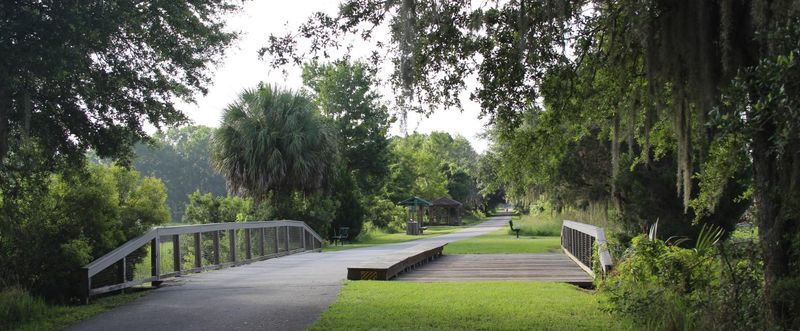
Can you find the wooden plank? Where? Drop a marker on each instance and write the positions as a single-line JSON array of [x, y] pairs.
[[501, 267], [391, 265]]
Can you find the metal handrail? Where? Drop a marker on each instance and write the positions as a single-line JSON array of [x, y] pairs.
[[577, 241], [154, 236]]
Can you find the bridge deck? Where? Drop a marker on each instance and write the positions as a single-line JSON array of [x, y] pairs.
[[555, 267]]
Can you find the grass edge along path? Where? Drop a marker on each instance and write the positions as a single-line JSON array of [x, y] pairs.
[[500, 241], [538, 235], [377, 237], [40, 316], [374, 305]]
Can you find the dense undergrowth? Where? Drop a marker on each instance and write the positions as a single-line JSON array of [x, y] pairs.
[[681, 284]]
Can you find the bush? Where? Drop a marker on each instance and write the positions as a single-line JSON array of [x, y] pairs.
[[672, 288], [660, 285], [17, 306], [64, 221]]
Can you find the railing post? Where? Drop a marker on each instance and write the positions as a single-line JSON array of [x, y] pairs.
[[198, 250], [215, 238], [86, 285], [247, 245], [155, 259], [232, 241], [287, 238], [176, 253], [303, 231], [121, 272], [261, 241], [277, 247]]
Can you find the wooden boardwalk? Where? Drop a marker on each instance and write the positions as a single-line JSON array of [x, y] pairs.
[[552, 267]]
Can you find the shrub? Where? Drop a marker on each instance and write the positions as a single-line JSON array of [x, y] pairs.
[[668, 287], [69, 219], [17, 306]]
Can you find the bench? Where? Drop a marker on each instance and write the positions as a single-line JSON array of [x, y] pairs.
[[341, 235], [516, 230]]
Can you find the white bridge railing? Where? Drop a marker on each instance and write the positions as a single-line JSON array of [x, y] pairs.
[[578, 241], [176, 250]]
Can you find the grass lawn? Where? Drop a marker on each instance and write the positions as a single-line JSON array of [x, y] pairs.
[[378, 237], [500, 241], [56, 317], [374, 305], [537, 236]]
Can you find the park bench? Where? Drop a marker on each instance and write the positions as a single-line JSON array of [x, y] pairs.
[[516, 230], [341, 235]]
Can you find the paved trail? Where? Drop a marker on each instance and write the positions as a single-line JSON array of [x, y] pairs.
[[287, 293]]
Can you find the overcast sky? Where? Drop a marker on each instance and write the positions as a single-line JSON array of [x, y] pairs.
[[242, 69]]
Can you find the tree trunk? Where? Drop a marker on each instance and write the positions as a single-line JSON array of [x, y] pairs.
[[5, 111], [776, 179]]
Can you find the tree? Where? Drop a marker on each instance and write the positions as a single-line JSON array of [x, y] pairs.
[[700, 67], [273, 144], [345, 92], [181, 158], [75, 218], [81, 75]]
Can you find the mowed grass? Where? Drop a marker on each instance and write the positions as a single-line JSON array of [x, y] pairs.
[[501, 241], [537, 236], [373, 305], [378, 237]]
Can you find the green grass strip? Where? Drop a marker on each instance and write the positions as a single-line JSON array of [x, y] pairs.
[[374, 305], [500, 241], [58, 317]]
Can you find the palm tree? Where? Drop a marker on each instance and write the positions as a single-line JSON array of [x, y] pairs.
[[273, 140]]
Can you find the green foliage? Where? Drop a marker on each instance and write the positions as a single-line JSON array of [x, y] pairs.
[[345, 92], [433, 166], [662, 286], [274, 146], [17, 306], [207, 208], [180, 157], [273, 140], [28, 313], [70, 219], [711, 286], [97, 71]]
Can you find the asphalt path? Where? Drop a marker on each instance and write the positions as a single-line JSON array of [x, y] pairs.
[[286, 293]]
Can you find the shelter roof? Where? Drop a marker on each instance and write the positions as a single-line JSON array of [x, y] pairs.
[[414, 201], [445, 201]]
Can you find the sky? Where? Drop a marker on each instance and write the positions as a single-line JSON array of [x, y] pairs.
[[241, 68]]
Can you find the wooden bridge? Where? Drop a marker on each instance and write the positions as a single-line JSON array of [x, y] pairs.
[[289, 293], [574, 266]]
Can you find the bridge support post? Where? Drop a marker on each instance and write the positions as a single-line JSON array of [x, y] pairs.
[[277, 246], [198, 250], [155, 259], [232, 240], [247, 245], [288, 238], [261, 241], [86, 285], [121, 272], [215, 238], [176, 253], [303, 231]]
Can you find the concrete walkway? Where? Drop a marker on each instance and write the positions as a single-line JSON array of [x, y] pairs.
[[287, 293]]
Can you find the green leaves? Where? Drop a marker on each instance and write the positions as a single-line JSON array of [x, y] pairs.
[[274, 140]]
